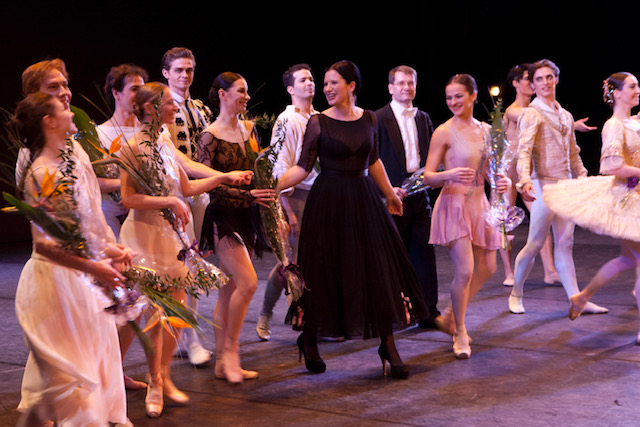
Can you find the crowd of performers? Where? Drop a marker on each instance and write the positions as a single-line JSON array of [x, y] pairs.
[[363, 243]]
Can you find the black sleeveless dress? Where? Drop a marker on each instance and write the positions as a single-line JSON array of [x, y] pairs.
[[360, 278]]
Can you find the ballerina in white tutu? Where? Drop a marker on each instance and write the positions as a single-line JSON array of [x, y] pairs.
[[608, 204]]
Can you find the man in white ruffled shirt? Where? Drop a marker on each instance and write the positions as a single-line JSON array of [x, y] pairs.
[[299, 83], [547, 152]]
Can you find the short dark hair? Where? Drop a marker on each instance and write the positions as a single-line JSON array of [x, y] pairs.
[[287, 77], [115, 80], [175, 53], [517, 72]]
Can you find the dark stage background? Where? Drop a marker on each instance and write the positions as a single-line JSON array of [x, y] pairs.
[[588, 40]]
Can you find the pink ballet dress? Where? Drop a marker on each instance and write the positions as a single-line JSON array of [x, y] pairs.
[[459, 209]]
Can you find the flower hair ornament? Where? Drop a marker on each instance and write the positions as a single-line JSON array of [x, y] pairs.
[[607, 89]]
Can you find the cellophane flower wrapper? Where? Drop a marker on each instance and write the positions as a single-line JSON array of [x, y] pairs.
[[415, 183], [205, 276], [501, 214], [274, 219], [148, 169]]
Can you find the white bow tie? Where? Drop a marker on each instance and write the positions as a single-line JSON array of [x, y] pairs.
[[410, 112]]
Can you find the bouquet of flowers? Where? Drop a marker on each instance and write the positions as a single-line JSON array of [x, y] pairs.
[[500, 214], [274, 219], [55, 212], [147, 168]]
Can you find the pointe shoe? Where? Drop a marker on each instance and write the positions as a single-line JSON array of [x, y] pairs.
[[591, 308], [575, 310], [445, 324], [398, 372], [552, 278], [131, 384], [231, 367], [219, 372], [515, 304], [461, 346], [262, 328], [313, 365], [170, 389], [154, 402], [509, 281]]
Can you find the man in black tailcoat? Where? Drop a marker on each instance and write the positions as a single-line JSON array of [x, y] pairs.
[[404, 134]]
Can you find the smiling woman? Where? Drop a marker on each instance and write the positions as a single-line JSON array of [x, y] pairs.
[[231, 225], [360, 279], [461, 144]]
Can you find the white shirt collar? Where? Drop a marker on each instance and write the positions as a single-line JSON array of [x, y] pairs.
[[398, 108], [178, 98], [543, 106]]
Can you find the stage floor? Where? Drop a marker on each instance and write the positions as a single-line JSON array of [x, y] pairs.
[[535, 369]]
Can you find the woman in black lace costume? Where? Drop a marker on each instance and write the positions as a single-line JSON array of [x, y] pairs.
[[231, 222]]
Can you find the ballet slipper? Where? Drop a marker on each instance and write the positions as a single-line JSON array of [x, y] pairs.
[[170, 389], [509, 281], [153, 401], [231, 367], [219, 372], [461, 346], [575, 310], [445, 324], [591, 308], [551, 278], [515, 304]]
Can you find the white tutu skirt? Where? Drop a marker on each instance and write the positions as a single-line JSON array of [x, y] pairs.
[[600, 203]]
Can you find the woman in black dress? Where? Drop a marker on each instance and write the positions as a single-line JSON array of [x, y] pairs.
[[359, 276]]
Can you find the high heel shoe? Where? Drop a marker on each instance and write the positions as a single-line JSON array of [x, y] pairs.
[[461, 347], [398, 372], [154, 402], [312, 365]]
